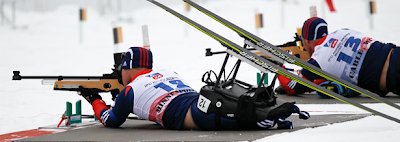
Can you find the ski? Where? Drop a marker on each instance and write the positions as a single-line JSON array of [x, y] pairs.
[[264, 65], [277, 53]]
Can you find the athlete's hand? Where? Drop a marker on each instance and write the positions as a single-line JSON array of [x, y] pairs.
[[91, 97], [304, 115], [284, 124]]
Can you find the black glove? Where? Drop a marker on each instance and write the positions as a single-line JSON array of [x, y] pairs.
[[284, 124], [91, 97], [302, 114]]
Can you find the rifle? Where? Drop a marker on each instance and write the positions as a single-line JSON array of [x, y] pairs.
[[290, 46], [86, 84]]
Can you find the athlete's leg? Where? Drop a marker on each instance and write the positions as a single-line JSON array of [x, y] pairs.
[[207, 122], [393, 73]]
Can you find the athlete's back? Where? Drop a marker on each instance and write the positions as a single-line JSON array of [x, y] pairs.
[[342, 53]]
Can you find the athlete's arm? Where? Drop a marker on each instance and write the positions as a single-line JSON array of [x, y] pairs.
[[115, 116], [293, 88]]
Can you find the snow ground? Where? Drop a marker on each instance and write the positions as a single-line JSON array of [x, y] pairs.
[[47, 43]]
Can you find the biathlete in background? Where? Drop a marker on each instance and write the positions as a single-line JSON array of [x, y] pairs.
[[349, 55]]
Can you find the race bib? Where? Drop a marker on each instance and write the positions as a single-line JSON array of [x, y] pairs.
[[203, 103]]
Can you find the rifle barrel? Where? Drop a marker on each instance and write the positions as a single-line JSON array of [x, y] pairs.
[[17, 76]]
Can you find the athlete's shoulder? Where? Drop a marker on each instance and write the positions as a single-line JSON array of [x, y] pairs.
[[161, 72], [331, 40], [308, 74], [166, 70], [314, 62], [344, 31], [128, 90]]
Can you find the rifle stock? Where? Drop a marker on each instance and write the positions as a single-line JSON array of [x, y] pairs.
[[104, 85], [295, 50]]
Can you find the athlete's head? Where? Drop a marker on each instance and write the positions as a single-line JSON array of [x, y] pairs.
[[134, 61], [137, 57], [314, 28]]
